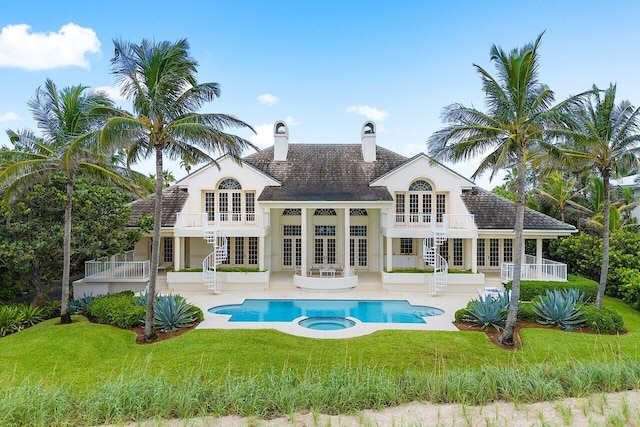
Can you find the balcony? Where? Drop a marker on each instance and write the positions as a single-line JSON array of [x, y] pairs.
[[548, 270], [192, 224], [121, 267], [457, 225]]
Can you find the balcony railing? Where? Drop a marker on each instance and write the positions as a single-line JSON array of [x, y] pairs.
[[444, 221], [120, 266], [547, 270], [225, 219]]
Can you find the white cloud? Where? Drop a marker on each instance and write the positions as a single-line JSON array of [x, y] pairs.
[[112, 92], [264, 135], [267, 98], [291, 122], [21, 48], [369, 112], [9, 117]]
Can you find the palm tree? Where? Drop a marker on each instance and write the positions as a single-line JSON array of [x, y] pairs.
[[519, 112], [560, 190], [606, 137], [66, 148], [160, 80]]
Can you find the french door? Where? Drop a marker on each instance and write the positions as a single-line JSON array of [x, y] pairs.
[[324, 245]]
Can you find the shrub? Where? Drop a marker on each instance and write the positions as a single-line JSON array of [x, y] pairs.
[[559, 307], [118, 309], [526, 313], [486, 311], [629, 286], [583, 255], [530, 289], [51, 309], [459, 314], [11, 320], [30, 314], [602, 320], [197, 314], [79, 306], [173, 312]]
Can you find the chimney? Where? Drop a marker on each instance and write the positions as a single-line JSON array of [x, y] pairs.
[[369, 142], [281, 141]]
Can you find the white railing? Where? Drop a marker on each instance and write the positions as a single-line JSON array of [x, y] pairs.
[[460, 221], [434, 221], [120, 266], [226, 219], [548, 270]]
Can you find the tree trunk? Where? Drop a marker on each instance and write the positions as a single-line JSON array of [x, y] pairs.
[[149, 330], [507, 335], [605, 242], [65, 314]]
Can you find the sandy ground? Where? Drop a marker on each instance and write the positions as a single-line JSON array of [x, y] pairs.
[[613, 409]]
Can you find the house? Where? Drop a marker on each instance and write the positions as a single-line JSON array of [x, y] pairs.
[[325, 214]]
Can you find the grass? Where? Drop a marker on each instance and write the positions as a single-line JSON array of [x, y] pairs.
[[111, 352], [97, 374]]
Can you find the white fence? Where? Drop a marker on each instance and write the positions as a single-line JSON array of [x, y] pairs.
[[120, 266], [548, 270]]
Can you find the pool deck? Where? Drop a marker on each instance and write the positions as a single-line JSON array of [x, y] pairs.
[[447, 301]]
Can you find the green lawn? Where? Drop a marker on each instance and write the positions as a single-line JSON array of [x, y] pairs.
[[83, 355]]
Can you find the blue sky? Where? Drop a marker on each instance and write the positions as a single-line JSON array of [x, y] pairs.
[[327, 65]]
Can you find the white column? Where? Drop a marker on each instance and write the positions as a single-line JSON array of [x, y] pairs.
[[261, 251], [389, 254], [539, 250], [303, 223], [474, 255], [539, 269], [347, 237], [177, 253]]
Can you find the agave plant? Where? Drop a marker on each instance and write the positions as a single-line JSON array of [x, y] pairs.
[[79, 306], [172, 312], [487, 311], [560, 307]]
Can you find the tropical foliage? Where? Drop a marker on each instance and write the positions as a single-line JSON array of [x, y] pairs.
[[66, 148], [560, 307], [519, 119], [32, 233], [160, 80]]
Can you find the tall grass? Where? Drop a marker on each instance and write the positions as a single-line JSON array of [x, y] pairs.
[[339, 391]]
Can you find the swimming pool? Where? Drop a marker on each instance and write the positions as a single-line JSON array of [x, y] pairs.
[[287, 310]]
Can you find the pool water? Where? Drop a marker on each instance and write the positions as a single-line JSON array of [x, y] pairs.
[[286, 310]]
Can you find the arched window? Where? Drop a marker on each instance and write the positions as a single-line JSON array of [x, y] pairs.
[[231, 203], [325, 212], [420, 203], [420, 185], [229, 184], [358, 212], [292, 212]]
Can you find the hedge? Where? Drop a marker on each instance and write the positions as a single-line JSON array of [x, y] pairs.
[[529, 289], [117, 309]]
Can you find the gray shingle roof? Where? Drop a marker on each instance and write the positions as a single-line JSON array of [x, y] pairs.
[[494, 212], [325, 172], [173, 198]]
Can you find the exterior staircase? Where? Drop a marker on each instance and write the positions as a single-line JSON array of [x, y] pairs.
[[215, 258], [434, 259]]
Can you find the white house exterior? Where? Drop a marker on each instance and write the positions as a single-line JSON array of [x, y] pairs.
[[326, 213]]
